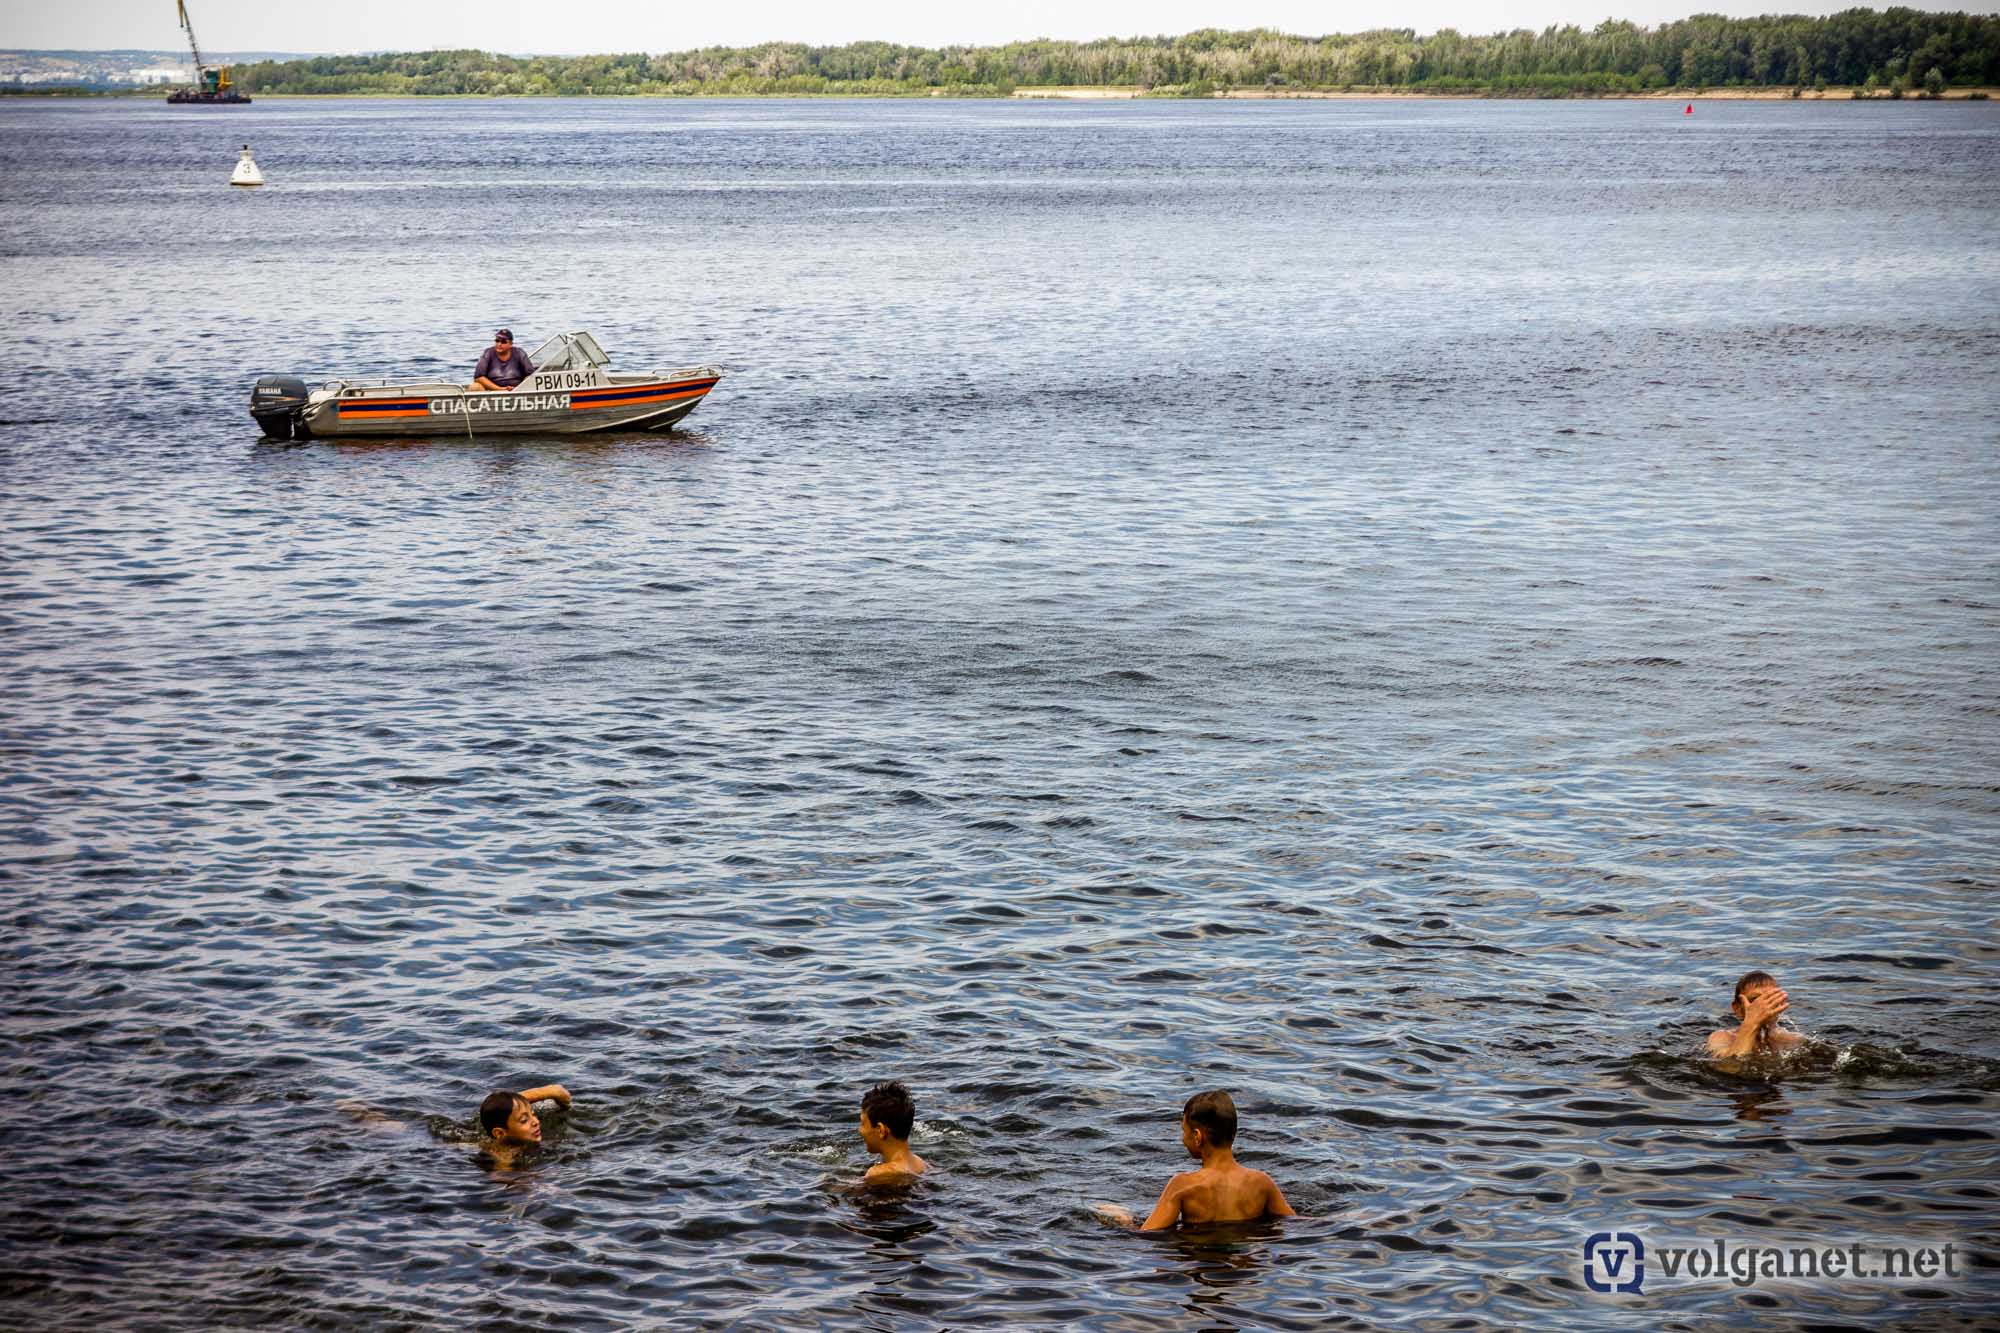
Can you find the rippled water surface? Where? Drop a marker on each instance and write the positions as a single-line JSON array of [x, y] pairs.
[[1385, 608]]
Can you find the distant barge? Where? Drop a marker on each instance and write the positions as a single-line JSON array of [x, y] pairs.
[[206, 96], [211, 85]]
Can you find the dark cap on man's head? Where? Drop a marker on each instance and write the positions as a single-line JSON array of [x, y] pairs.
[[508, 334]]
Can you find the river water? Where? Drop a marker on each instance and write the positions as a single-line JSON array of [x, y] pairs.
[[1386, 608]]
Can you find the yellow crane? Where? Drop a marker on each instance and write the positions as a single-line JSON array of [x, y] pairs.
[[211, 85]]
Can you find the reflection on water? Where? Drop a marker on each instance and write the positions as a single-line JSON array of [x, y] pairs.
[[1761, 1104], [1214, 1265], [1386, 609]]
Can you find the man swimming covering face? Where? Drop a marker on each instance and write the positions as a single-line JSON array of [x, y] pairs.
[[1758, 1005]]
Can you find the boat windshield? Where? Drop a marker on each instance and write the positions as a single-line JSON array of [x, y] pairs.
[[569, 351]]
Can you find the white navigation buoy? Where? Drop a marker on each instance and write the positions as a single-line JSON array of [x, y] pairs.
[[246, 172]]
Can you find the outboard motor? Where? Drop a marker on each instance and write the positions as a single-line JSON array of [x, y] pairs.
[[275, 402]]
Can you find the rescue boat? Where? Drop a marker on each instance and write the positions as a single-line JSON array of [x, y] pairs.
[[572, 391]]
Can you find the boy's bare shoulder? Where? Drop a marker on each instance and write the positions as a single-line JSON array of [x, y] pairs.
[[891, 1171], [1178, 1188], [1275, 1202], [1257, 1183]]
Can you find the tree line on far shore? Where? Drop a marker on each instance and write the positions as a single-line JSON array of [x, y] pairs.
[[1897, 50]]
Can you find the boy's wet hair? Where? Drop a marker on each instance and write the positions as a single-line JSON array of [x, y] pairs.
[[1214, 1115], [890, 1106], [496, 1109], [1746, 981]]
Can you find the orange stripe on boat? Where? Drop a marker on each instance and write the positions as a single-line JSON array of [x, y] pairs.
[[575, 406], [624, 391]]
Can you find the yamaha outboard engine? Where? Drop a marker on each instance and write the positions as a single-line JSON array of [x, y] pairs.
[[275, 402]]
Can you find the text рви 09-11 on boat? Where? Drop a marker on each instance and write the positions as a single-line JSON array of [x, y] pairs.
[[572, 391]]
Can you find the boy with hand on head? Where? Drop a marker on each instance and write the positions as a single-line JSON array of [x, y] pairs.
[[1221, 1190], [1757, 1005], [508, 1126], [887, 1113]]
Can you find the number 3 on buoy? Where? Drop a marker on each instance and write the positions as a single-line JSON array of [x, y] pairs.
[[246, 172]]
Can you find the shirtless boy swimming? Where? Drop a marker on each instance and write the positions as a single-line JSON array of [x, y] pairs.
[[1757, 1005], [508, 1126], [887, 1115], [1221, 1190]]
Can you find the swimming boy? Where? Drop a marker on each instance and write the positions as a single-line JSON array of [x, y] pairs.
[[887, 1113], [1757, 1005], [508, 1126], [1222, 1190]]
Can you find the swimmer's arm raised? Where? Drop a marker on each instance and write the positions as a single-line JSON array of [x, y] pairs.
[[554, 1092], [1757, 1012]]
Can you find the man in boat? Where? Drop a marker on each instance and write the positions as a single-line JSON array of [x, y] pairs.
[[502, 366]]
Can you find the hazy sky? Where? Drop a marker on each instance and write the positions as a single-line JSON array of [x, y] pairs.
[[568, 27]]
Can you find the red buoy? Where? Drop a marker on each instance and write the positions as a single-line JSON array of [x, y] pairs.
[[1690, 110]]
